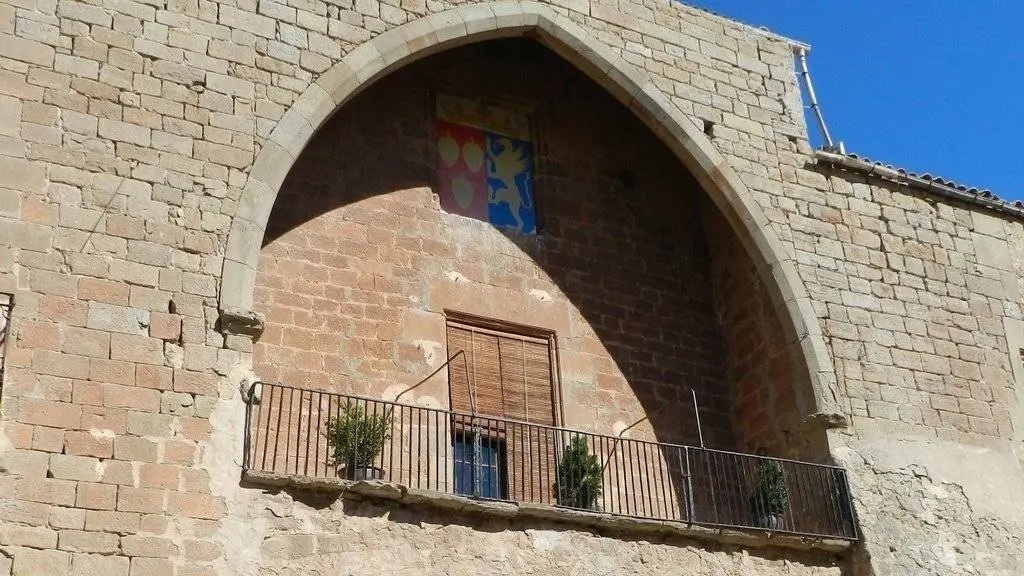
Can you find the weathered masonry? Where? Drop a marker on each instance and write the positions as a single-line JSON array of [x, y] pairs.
[[481, 287]]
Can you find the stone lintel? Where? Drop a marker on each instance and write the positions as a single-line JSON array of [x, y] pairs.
[[604, 523]]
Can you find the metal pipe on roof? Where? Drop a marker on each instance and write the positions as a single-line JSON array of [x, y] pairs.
[[805, 74]]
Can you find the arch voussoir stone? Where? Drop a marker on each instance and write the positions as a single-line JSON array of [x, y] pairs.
[[475, 22]]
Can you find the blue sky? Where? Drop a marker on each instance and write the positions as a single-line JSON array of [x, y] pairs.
[[931, 86]]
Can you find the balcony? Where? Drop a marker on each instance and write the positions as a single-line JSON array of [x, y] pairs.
[[323, 439]]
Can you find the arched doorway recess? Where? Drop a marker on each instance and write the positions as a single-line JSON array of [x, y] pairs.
[[815, 395]]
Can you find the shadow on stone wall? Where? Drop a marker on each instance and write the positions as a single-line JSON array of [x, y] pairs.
[[621, 236]]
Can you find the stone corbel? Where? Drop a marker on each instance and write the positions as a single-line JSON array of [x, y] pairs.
[[827, 420], [241, 322]]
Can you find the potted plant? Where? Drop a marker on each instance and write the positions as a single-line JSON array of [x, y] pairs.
[[580, 476], [356, 439], [771, 495]]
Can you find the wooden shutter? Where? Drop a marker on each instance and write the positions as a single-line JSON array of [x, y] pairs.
[[479, 376], [539, 383], [509, 374], [460, 368], [513, 383]]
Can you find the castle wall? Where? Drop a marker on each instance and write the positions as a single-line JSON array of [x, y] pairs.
[[128, 132]]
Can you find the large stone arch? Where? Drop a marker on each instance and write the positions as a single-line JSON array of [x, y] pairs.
[[484, 21]]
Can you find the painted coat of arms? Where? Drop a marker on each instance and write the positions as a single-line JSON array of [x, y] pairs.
[[486, 164]]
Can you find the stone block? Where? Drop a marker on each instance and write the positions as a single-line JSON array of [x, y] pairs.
[[44, 335], [60, 518], [124, 132], [57, 364], [159, 476], [112, 371], [68, 467], [48, 413], [133, 398], [248, 21], [232, 52], [30, 562], [179, 452], [148, 547], [151, 567], [25, 50], [141, 349], [103, 421], [190, 382], [202, 550], [113, 522], [101, 290], [10, 117], [86, 342], [144, 500], [994, 252], [46, 491], [203, 506], [47, 439], [25, 463], [94, 496], [120, 319], [150, 423], [96, 565], [25, 512], [155, 377], [88, 444], [47, 282], [134, 449], [29, 536], [76, 66], [88, 542]]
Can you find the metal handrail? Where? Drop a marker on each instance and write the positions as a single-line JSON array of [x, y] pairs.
[[506, 459], [6, 306]]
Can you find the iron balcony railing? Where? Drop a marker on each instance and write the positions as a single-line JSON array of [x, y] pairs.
[[292, 431], [6, 304]]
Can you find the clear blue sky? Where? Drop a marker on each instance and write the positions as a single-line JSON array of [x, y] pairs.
[[932, 86]]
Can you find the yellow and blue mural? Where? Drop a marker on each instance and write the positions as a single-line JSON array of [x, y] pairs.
[[486, 165]]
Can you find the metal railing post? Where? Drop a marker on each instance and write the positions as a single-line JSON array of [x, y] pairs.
[[247, 437], [689, 487], [478, 455]]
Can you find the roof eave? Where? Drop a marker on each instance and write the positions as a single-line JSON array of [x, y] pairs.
[[913, 181]]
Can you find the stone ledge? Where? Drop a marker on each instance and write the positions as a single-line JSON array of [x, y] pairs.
[[379, 490]]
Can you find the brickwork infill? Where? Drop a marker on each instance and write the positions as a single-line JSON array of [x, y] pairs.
[[762, 375], [359, 250]]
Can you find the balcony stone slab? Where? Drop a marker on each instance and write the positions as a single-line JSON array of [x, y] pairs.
[[606, 524]]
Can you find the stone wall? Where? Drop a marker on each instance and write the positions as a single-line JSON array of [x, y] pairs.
[[913, 294], [129, 130], [360, 537], [916, 296]]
